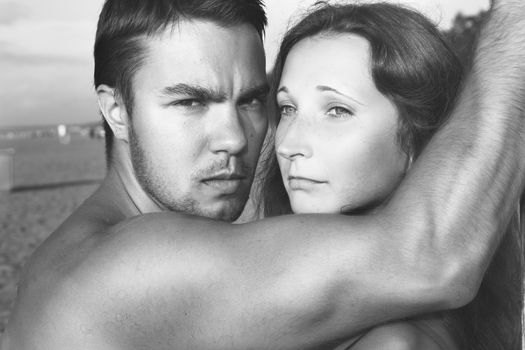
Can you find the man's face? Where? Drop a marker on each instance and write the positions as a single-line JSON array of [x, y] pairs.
[[199, 118]]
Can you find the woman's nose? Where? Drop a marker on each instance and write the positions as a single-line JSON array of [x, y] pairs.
[[293, 139]]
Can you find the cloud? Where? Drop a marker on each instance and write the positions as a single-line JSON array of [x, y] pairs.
[[46, 93], [36, 59], [10, 12], [38, 41]]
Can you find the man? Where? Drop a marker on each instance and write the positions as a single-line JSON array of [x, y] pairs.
[[181, 86]]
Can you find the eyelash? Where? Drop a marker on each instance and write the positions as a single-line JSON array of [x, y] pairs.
[[346, 111], [187, 103], [253, 102], [282, 110], [195, 103]]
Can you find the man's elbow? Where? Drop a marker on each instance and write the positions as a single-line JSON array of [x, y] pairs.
[[458, 285], [449, 274]]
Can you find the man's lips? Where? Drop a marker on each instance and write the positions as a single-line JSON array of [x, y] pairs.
[[225, 183], [225, 177]]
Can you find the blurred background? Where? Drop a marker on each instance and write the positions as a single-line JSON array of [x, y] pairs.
[[51, 138]]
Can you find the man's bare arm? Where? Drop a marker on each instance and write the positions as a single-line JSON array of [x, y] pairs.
[[469, 180], [301, 281]]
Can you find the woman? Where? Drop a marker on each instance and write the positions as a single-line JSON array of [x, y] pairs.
[[360, 89]]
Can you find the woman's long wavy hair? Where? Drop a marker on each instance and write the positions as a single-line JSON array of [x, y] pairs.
[[413, 65]]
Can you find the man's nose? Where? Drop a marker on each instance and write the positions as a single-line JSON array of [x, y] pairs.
[[228, 133], [293, 139]]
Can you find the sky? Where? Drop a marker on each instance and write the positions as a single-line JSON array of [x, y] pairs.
[[46, 63]]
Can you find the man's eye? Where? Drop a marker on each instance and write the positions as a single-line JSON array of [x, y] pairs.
[[253, 103], [339, 112], [287, 110], [188, 103]]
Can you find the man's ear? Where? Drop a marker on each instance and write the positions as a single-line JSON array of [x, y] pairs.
[[114, 111]]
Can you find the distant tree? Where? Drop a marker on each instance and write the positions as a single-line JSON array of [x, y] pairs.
[[463, 33]]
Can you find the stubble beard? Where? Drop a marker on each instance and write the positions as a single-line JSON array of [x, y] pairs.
[[156, 186]]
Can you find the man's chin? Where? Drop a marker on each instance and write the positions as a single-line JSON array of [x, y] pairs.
[[224, 209], [227, 211]]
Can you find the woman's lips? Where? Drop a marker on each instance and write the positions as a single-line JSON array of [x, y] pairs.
[[303, 183]]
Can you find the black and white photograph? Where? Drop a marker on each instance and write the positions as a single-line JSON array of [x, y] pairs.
[[262, 174]]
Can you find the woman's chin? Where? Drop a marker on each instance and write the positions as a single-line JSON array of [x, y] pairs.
[[312, 208]]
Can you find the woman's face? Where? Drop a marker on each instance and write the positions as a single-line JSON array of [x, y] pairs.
[[336, 140]]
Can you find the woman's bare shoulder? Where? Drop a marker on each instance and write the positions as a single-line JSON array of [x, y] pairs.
[[407, 335]]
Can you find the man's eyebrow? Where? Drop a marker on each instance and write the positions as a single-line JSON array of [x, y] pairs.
[[257, 91], [328, 88], [195, 91]]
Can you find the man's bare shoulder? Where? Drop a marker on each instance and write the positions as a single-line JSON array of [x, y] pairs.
[[86, 256], [96, 283], [45, 286]]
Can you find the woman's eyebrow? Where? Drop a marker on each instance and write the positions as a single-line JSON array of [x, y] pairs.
[[328, 88], [282, 89]]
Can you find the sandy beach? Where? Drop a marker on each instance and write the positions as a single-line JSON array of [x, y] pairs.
[[51, 179]]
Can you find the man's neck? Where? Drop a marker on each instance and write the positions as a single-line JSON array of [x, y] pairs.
[[124, 187]]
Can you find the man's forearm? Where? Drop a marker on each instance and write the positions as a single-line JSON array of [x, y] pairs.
[[468, 181]]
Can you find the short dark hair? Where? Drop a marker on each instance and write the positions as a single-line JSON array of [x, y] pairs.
[[119, 51]]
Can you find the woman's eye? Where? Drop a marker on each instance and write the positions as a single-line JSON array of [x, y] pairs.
[[287, 110], [339, 112]]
